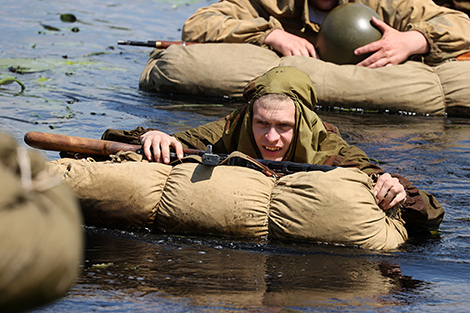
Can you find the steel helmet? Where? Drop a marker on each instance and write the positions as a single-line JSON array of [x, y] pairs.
[[346, 28]]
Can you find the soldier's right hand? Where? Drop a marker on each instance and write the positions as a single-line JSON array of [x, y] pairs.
[[157, 145], [289, 44]]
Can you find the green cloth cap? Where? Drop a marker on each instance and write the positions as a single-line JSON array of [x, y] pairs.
[[309, 131], [285, 80]]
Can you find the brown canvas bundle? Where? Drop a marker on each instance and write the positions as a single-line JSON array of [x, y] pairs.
[[334, 207], [41, 234], [223, 69]]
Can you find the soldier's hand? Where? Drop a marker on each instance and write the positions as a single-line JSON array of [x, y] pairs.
[[393, 48], [389, 191], [288, 44], [157, 144]]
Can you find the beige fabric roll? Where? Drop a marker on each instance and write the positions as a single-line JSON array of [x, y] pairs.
[[455, 80], [190, 198], [206, 69], [115, 194], [41, 243], [337, 206], [409, 87], [221, 200], [223, 69]]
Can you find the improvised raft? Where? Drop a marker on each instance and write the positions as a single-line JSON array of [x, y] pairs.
[[336, 207], [223, 69]]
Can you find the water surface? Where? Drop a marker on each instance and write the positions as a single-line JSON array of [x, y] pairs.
[[81, 83]]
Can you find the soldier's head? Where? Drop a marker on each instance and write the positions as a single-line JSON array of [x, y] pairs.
[[277, 101]]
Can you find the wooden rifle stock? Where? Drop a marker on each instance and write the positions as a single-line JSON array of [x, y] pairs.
[[159, 44], [56, 142], [464, 57]]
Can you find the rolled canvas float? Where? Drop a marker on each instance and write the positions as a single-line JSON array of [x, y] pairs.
[[223, 69], [336, 207]]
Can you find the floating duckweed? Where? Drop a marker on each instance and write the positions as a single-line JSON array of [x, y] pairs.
[[68, 18], [51, 28], [96, 53], [9, 80]]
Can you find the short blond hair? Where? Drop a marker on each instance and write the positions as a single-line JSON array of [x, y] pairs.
[[271, 100]]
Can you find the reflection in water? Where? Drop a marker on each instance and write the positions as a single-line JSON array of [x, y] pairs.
[[223, 274]]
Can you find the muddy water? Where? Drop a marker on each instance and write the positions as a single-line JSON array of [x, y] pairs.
[[80, 82]]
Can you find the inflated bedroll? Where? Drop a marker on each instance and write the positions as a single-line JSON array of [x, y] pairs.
[[223, 69], [336, 206]]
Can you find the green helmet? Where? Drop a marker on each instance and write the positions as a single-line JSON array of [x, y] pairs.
[[346, 28]]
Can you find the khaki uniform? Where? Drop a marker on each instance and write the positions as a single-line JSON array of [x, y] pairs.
[[242, 21]]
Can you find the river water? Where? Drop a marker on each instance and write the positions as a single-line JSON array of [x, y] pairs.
[[80, 82]]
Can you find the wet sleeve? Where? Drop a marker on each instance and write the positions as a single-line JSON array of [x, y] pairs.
[[126, 136], [195, 138], [207, 134], [421, 211], [340, 153], [231, 21], [447, 31]]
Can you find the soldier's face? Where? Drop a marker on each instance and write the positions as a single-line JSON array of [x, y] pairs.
[[273, 127], [324, 5]]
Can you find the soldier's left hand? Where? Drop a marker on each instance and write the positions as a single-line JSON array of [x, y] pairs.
[[389, 191], [393, 48]]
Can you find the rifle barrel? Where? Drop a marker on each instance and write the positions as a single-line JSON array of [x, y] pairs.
[[159, 44]]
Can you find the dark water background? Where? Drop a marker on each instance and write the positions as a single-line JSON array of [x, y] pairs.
[[82, 83]]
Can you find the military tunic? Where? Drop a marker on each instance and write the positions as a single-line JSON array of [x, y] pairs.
[[249, 21]]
